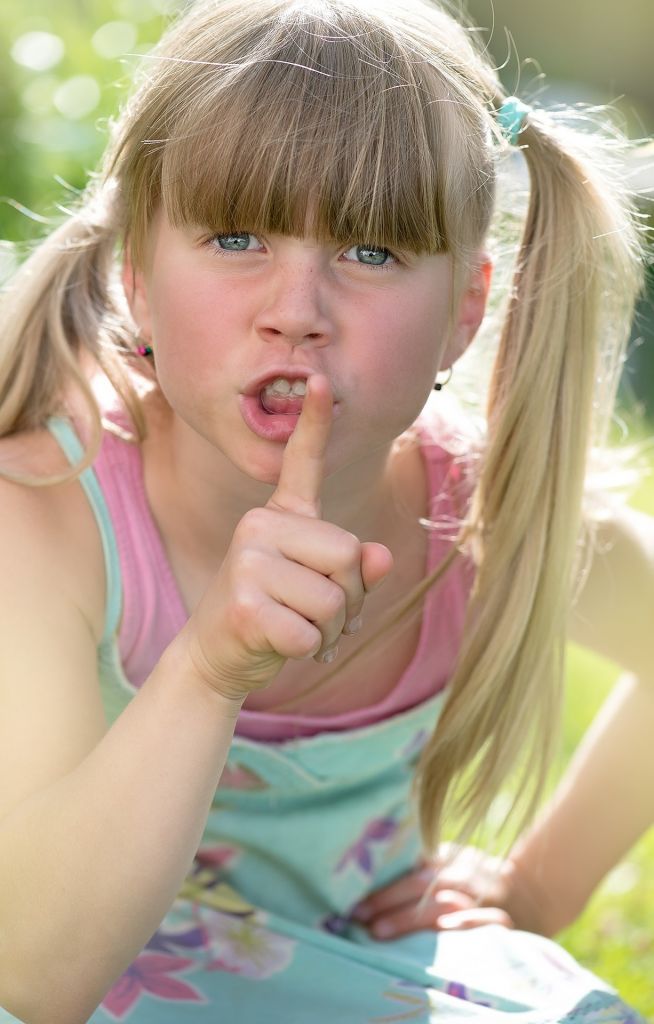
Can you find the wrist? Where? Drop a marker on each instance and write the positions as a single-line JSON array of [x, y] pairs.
[[186, 662], [533, 905], [527, 900]]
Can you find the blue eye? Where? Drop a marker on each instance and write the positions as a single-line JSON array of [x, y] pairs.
[[371, 255], [240, 241]]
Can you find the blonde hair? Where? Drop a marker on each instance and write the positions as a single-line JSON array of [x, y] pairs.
[[377, 120]]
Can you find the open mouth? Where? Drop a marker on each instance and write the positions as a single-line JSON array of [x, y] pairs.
[[283, 396], [271, 405]]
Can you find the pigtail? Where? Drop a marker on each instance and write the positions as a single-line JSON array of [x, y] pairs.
[[62, 307], [550, 400]]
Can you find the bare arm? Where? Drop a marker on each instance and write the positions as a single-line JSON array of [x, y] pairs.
[[606, 799], [98, 827], [603, 805], [91, 863]]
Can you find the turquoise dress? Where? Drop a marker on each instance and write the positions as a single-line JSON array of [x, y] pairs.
[[298, 833]]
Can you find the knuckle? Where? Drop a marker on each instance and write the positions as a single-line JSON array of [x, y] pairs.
[[289, 633], [243, 609], [333, 600], [255, 523], [248, 565], [303, 639], [350, 548]]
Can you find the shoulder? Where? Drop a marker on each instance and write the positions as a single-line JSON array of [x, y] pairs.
[[451, 443], [444, 425], [51, 616], [613, 613], [49, 531]]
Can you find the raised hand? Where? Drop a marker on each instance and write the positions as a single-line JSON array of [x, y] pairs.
[[291, 584]]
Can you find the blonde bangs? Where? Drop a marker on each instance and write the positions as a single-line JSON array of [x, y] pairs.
[[321, 130], [288, 155]]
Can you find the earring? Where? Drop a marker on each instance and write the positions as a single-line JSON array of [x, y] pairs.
[[144, 349], [440, 384]]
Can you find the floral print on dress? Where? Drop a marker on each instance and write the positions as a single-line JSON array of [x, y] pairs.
[[415, 744], [422, 999], [454, 988], [412, 1002], [237, 776], [151, 975], [242, 946], [205, 884], [176, 942], [233, 934], [335, 924], [218, 856], [360, 854]]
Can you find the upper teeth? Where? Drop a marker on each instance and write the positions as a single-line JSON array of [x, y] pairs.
[[283, 387]]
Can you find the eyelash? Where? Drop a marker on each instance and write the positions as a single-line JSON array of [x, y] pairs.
[[211, 243]]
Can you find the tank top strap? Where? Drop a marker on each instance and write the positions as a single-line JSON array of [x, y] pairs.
[[64, 433]]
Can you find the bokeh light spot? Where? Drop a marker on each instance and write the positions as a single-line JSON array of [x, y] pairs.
[[38, 51], [114, 38], [77, 96]]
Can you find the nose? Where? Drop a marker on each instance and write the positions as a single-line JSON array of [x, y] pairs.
[[294, 306]]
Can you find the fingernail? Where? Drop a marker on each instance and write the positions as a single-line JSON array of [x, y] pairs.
[[329, 655], [383, 930], [446, 921], [354, 625]]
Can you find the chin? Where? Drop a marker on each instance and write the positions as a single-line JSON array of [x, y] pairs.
[[260, 467], [265, 476]]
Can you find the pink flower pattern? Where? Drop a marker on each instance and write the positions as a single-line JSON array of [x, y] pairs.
[[218, 857], [237, 776], [150, 975]]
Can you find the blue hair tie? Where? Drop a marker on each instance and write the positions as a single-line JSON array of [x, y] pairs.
[[511, 118]]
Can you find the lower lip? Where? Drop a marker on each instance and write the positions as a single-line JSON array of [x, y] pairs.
[[270, 426]]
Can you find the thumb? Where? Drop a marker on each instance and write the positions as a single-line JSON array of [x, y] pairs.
[[376, 564]]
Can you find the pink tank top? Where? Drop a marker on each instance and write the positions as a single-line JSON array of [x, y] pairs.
[[153, 611]]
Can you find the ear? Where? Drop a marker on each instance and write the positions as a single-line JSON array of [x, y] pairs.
[[471, 310], [135, 289]]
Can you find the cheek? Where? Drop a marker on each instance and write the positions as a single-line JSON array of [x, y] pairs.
[[188, 328], [410, 338]]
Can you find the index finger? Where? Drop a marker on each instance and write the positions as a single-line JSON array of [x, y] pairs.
[[303, 463]]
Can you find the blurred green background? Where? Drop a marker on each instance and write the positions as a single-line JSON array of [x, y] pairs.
[[589, 51], [63, 70]]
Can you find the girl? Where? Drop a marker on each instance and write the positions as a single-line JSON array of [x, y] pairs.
[[225, 500]]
